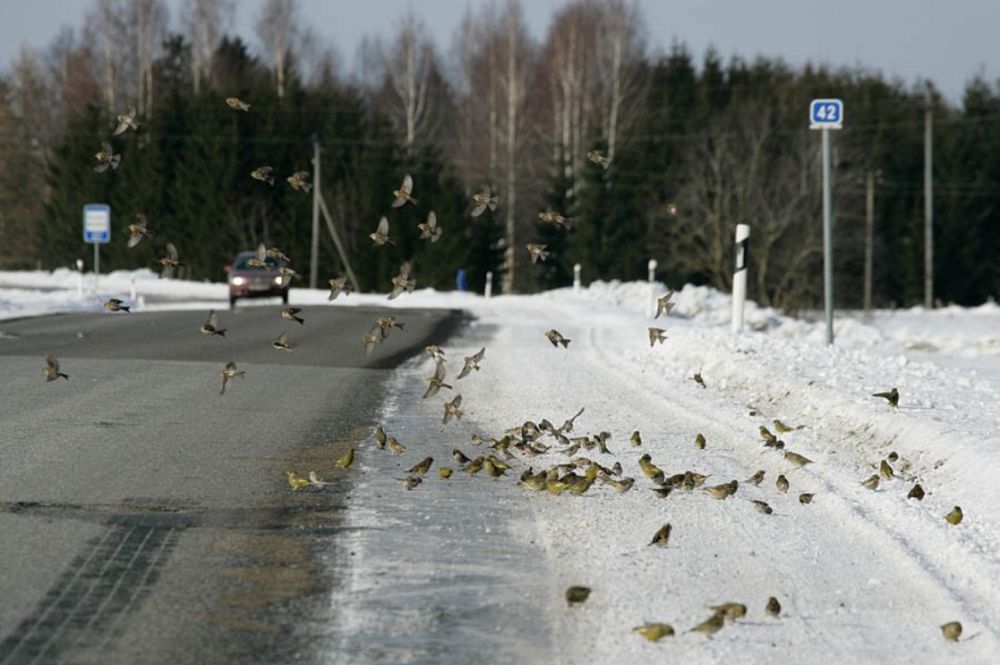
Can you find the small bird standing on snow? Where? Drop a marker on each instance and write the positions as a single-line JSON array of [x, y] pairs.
[[952, 631], [796, 459], [557, 339], [891, 396], [576, 595], [773, 607], [662, 536], [872, 482], [955, 516]]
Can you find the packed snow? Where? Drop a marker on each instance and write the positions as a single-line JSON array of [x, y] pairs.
[[862, 575]]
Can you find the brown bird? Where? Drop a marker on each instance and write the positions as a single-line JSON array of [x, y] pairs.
[[656, 335], [170, 261], [697, 379], [537, 252], [435, 352], [430, 230], [51, 370], [483, 200], [635, 439], [773, 607], [291, 314], [107, 157], [576, 595], [403, 281], [401, 196], [723, 491], [872, 482], [281, 342], [730, 611], [381, 234], [762, 507], [436, 381], [952, 631], [662, 536], [126, 121], [891, 396], [663, 304], [599, 158], [412, 481], [806, 498], [781, 483], [472, 363], [916, 493], [338, 286], [299, 181], [699, 441], [138, 230], [237, 104], [711, 625], [211, 325], [115, 305], [386, 323], [554, 218], [286, 275], [452, 410], [765, 434], [421, 467], [264, 174], [557, 339], [395, 446], [796, 459], [756, 479], [228, 373]]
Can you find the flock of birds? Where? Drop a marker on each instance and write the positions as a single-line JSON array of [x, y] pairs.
[[519, 444]]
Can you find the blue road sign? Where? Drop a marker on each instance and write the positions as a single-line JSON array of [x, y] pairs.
[[826, 114], [97, 223]]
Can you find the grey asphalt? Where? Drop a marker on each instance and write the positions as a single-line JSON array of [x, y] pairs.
[[146, 518]]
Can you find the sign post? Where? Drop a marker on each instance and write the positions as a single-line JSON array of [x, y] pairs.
[[740, 276], [824, 115], [97, 230]]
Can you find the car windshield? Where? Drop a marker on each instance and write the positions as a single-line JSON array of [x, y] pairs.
[[241, 262]]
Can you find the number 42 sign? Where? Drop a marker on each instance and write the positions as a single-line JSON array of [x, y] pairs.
[[826, 114]]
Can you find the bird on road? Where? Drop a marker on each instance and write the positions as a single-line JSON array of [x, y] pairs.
[[315, 481], [338, 286], [346, 459], [228, 373], [264, 174], [51, 370], [472, 363], [430, 230], [483, 200], [395, 446], [296, 481], [138, 230], [891, 396], [557, 339], [211, 326], [281, 342], [452, 410], [290, 313], [401, 196], [116, 305]]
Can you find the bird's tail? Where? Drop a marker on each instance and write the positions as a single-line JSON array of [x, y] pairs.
[[125, 309], [114, 161], [565, 342], [220, 333], [65, 376], [300, 321]]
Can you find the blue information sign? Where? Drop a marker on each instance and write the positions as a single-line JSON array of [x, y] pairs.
[[97, 223], [826, 114]]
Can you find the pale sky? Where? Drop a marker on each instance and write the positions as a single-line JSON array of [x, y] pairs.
[[947, 41]]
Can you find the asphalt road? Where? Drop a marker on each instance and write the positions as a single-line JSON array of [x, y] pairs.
[[146, 518]]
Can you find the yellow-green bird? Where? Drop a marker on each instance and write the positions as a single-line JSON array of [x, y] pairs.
[[782, 427], [662, 536], [635, 439], [723, 491], [730, 611], [796, 459], [699, 441], [395, 446], [773, 607], [955, 516], [459, 456], [296, 481], [766, 434], [576, 595], [654, 631], [421, 467], [891, 396], [620, 486], [444, 472], [806, 498], [872, 482], [711, 625], [952, 631], [346, 459], [885, 470]]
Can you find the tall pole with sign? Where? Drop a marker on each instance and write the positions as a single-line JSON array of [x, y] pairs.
[[824, 115], [97, 230]]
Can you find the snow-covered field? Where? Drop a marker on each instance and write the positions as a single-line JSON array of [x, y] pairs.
[[862, 575]]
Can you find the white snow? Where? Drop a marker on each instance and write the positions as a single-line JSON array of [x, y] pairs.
[[863, 576]]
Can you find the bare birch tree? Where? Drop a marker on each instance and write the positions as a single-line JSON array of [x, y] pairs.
[[206, 21], [278, 28]]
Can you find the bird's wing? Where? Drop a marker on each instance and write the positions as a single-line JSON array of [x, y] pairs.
[[383, 227], [478, 210], [432, 220], [465, 370], [282, 338], [211, 318], [479, 355], [52, 363], [106, 149], [122, 126], [261, 252], [407, 186], [457, 402], [172, 251], [439, 371]]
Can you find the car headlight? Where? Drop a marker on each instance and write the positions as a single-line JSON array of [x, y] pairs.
[[239, 281], [278, 280]]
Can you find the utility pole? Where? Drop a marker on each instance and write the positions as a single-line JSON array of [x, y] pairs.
[[928, 198], [869, 236], [314, 248]]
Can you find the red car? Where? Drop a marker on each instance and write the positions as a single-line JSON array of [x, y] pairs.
[[247, 281]]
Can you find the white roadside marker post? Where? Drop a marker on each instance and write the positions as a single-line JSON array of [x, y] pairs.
[[740, 276], [576, 277], [79, 278], [652, 287], [489, 285], [827, 114]]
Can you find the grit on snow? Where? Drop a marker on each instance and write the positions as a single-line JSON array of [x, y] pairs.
[[862, 575]]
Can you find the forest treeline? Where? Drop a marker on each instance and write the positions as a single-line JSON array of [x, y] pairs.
[[695, 145]]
